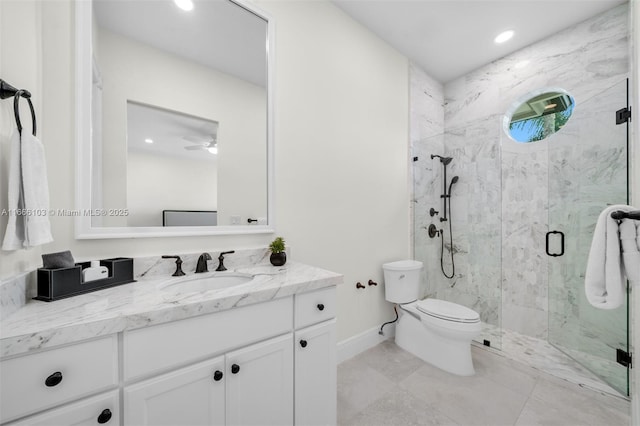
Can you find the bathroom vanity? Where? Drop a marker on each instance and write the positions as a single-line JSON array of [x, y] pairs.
[[263, 352]]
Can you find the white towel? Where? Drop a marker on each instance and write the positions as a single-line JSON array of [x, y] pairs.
[[604, 282], [14, 234], [630, 242], [28, 224]]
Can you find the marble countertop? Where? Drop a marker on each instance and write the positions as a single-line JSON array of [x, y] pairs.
[[38, 325]]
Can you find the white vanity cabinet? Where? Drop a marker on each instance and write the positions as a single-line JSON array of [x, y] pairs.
[[315, 358], [260, 383], [98, 410], [193, 395], [315, 375], [45, 379], [267, 363], [250, 386]]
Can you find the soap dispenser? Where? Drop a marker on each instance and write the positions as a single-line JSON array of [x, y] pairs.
[[95, 272]]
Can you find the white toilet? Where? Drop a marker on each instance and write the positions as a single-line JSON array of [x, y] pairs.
[[437, 331]]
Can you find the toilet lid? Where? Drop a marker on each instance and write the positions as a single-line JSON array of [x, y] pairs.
[[447, 310]]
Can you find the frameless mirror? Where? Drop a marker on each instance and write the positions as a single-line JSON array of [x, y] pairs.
[[174, 134], [539, 115]]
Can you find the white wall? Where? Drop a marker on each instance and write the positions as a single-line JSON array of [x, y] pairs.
[[19, 66], [162, 182], [341, 149]]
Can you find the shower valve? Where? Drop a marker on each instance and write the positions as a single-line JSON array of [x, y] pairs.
[[433, 212]]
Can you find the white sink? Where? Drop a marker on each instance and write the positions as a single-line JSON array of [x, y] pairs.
[[206, 282]]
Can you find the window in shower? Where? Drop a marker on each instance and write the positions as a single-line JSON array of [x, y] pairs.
[[539, 115]]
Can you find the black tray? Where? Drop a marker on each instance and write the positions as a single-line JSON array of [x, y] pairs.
[[54, 284]]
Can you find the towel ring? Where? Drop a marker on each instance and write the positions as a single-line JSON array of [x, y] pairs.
[[16, 110]]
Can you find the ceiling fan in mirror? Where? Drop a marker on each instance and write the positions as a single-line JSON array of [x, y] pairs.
[[208, 143]]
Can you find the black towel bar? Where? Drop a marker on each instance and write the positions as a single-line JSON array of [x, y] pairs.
[[8, 91], [619, 215]]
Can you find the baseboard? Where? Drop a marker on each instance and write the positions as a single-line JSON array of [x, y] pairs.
[[359, 343]]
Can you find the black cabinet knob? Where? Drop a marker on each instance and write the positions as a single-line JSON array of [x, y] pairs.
[[105, 416], [320, 307], [303, 343], [235, 368], [217, 376], [53, 379]]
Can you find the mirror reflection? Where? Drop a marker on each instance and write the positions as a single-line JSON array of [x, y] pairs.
[[166, 152], [179, 114], [540, 116]]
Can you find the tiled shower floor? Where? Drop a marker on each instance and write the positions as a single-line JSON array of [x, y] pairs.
[[543, 356], [388, 386]]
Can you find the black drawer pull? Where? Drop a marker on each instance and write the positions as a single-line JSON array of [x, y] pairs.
[[303, 343], [217, 376], [320, 307], [53, 379], [105, 416], [235, 368]]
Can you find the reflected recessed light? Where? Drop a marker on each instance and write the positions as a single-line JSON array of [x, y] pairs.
[[184, 4], [213, 150], [522, 64], [504, 36], [148, 140]]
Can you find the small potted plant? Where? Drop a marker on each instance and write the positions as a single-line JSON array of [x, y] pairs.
[[278, 256]]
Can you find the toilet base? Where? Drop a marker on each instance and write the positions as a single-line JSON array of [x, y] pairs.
[[448, 354]]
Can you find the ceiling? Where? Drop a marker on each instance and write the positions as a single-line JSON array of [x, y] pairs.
[[170, 131], [217, 34], [450, 38]]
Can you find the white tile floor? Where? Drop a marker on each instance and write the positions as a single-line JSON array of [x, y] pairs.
[[388, 386]]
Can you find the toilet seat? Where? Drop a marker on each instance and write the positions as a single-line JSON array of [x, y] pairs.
[[447, 311]]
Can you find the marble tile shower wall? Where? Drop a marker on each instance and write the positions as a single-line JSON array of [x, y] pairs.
[[476, 220], [426, 136], [500, 204]]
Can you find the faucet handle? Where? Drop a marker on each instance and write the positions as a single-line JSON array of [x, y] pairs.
[[221, 266], [178, 272]]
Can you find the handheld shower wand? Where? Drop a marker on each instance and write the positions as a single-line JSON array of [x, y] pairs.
[[447, 194]]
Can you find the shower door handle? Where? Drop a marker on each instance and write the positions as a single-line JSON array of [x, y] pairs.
[[561, 243]]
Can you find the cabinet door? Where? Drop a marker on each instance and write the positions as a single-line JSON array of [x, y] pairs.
[[260, 383], [189, 396], [315, 375], [102, 409]]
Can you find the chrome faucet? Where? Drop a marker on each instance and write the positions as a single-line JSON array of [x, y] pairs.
[[202, 263], [221, 260]]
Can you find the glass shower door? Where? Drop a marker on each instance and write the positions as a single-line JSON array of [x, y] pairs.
[[587, 172]]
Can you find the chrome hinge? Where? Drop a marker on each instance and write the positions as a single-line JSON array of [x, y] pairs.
[[623, 358], [623, 115]]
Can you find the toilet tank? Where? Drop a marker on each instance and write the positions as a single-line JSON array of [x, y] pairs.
[[402, 280]]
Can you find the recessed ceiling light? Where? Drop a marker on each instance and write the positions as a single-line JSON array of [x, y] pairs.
[[147, 140], [213, 150], [503, 36], [184, 4]]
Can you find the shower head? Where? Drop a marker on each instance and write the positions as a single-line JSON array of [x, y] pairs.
[[443, 160], [454, 180]]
